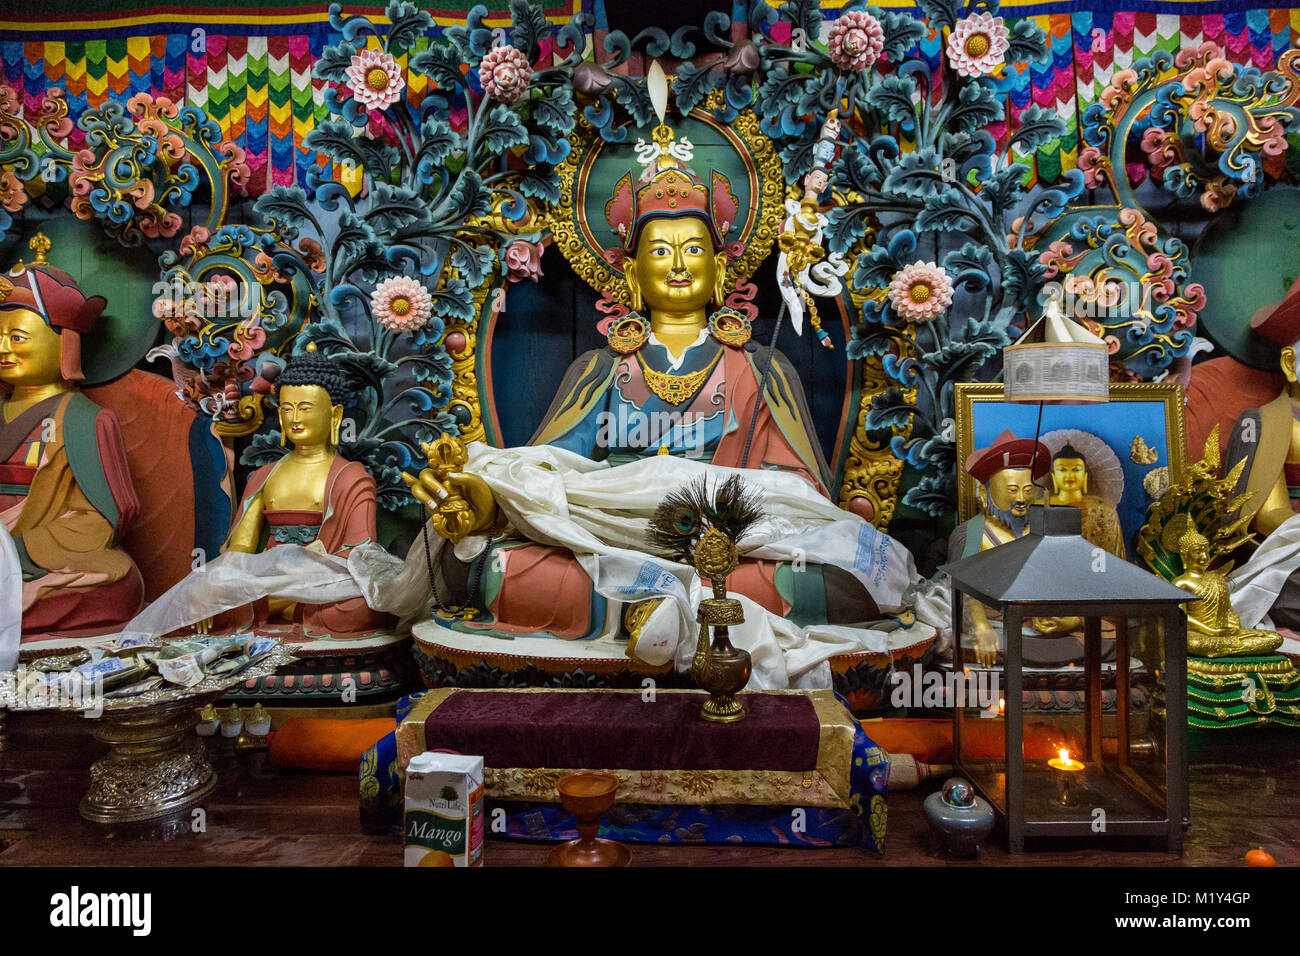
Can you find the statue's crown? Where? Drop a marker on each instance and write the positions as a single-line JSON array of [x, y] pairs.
[[49, 292], [668, 188]]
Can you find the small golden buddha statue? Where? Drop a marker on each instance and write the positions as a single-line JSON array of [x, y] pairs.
[[1100, 520], [1213, 627], [311, 497], [65, 485]]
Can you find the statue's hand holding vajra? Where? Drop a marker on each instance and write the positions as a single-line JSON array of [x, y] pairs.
[[459, 504]]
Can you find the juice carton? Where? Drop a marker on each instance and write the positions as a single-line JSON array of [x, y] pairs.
[[444, 811]]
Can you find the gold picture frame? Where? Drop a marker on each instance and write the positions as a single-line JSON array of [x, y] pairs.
[[1130, 413]]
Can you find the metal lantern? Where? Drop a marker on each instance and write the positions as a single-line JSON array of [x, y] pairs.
[[1050, 780]]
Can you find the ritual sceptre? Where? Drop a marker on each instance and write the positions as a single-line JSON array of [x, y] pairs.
[[803, 268]]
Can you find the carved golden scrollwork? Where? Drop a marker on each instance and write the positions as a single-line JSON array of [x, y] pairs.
[[871, 471], [603, 276], [251, 413], [464, 377]]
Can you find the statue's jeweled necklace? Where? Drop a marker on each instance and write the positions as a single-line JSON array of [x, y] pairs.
[[675, 389]]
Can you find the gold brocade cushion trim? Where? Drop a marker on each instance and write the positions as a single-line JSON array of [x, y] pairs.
[[826, 785], [674, 787]]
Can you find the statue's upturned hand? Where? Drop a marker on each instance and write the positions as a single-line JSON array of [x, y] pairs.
[[986, 645], [459, 504]]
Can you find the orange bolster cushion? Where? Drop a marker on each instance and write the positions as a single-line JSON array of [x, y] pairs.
[[334, 745], [930, 740]]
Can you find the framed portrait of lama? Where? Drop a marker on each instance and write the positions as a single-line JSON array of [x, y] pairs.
[[1117, 456]]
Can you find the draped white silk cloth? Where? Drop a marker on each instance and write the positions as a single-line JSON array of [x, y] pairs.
[[11, 601], [235, 579], [1257, 583], [600, 513]]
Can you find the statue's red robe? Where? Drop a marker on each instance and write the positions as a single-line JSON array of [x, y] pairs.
[[66, 498]]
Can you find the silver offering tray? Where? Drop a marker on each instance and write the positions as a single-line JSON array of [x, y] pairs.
[[12, 699], [157, 765]]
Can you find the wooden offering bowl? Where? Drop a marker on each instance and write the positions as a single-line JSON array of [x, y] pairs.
[[587, 794]]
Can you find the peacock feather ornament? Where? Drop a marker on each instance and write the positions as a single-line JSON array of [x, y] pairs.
[[696, 527]]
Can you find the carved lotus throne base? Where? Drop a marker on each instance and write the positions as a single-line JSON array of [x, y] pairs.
[[156, 767]]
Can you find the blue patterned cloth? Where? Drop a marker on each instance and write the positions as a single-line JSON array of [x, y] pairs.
[[863, 823]]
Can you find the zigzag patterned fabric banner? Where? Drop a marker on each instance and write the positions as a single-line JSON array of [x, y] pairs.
[[249, 65]]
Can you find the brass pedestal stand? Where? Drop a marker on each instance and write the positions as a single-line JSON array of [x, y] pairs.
[[157, 764]]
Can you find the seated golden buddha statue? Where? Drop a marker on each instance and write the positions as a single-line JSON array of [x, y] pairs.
[[1213, 627], [1100, 520], [65, 486], [668, 398], [311, 497]]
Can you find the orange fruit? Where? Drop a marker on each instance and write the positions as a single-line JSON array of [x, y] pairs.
[[1260, 857], [437, 858]]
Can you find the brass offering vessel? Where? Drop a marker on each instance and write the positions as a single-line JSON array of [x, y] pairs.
[[699, 526], [719, 668]]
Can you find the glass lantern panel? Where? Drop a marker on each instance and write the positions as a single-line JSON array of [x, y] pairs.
[[1091, 728], [975, 690]]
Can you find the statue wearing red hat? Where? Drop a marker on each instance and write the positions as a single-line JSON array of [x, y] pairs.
[[65, 489], [675, 381], [1006, 472]]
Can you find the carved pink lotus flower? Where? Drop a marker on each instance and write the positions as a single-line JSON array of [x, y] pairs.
[[401, 304], [856, 41], [375, 79], [505, 74], [523, 261], [921, 292], [978, 45]]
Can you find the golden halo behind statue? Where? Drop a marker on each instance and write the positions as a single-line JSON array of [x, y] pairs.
[[1105, 473], [588, 175]]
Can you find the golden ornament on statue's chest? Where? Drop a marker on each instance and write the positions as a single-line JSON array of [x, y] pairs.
[[675, 389]]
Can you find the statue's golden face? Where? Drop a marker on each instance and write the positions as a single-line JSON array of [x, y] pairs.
[[1012, 489], [676, 269], [1196, 557], [29, 349], [1070, 474], [306, 415]]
